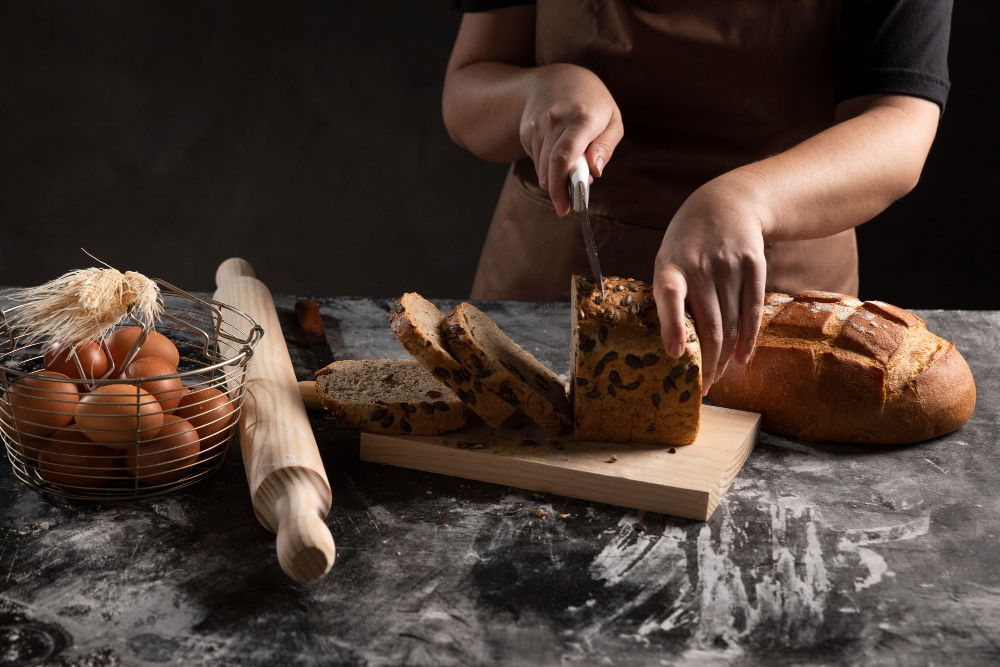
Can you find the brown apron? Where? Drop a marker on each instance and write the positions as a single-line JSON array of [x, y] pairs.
[[704, 86]]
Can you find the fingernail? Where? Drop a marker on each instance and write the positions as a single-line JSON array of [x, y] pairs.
[[677, 350], [599, 163]]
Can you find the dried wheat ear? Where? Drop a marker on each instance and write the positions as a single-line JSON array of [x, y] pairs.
[[83, 305]]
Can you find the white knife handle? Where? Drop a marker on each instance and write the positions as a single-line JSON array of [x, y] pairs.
[[579, 174]]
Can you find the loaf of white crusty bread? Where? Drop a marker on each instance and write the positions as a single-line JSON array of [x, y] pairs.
[[625, 386], [829, 367]]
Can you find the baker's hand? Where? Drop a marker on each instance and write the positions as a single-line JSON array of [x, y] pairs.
[[568, 112], [712, 256]]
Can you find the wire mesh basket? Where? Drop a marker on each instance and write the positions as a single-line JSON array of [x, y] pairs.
[[139, 413]]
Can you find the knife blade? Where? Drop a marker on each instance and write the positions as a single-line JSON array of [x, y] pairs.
[[579, 192], [311, 322]]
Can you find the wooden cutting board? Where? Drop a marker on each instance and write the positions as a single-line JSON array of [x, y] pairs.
[[685, 481]]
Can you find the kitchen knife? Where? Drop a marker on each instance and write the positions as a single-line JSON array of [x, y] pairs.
[[579, 193], [311, 322]]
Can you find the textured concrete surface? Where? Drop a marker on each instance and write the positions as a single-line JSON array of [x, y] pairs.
[[819, 554]]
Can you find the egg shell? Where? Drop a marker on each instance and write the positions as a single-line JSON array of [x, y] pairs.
[[211, 412], [112, 414], [120, 342], [38, 404], [77, 463], [166, 458], [167, 391], [93, 360], [31, 447]]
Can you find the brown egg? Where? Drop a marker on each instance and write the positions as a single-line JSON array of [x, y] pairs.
[[31, 446], [114, 413], [156, 345], [36, 406], [167, 457], [168, 391], [76, 462], [211, 412], [93, 360]]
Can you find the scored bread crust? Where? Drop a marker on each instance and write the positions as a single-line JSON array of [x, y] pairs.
[[829, 367], [625, 387], [497, 364], [389, 396], [423, 339]]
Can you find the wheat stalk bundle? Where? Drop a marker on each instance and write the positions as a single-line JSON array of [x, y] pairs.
[[82, 305]]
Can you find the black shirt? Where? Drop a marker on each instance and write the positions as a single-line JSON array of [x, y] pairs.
[[895, 47]]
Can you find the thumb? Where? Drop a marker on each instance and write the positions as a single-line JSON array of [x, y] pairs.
[[603, 146]]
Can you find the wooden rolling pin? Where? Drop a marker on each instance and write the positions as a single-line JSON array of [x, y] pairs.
[[307, 390], [288, 484]]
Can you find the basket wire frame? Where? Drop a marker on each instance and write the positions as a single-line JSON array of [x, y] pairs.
[[215, 342]]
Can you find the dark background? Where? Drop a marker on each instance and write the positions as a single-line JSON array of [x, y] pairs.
[[307, 137]]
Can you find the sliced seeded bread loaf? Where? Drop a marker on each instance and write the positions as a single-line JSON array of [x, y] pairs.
[[830, 367], [417, 324], [389, 396], [625, 387], [498, 364]]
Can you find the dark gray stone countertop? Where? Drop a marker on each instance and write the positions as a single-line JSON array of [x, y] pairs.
[[819, 554]]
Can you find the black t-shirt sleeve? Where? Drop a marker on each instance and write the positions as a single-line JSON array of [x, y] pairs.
[[486, 5], [893, 47], [883, 46]]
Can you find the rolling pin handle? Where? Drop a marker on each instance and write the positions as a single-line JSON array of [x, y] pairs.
[[305, 546], [234, 267]]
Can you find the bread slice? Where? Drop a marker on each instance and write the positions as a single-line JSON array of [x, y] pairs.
[[389, 396], [625, 387], [417, 324], [499, 365], [830, 367]]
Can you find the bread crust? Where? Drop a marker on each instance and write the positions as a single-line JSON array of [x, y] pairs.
[[867, 373], [440, 363]]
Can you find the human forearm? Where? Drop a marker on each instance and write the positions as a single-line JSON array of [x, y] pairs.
[[482, 105], [844, 175], [712, 257]]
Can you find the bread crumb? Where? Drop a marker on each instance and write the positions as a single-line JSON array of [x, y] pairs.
[[445, 525], [612, 459], [564, 516], [541, 514]]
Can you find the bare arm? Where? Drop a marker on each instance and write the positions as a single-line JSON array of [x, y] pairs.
[[849, 173], [487, 82], [712, 254], [501, 107]]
